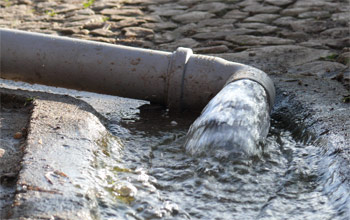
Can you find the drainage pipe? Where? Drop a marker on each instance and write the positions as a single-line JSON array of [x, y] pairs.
[[179, 80]]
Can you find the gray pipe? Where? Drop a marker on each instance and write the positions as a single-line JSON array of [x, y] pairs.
[[179, 79]]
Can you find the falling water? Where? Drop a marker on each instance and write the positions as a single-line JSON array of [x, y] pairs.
[[233, 124]]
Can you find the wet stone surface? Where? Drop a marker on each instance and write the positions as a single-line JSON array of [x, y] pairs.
[[14, 119]]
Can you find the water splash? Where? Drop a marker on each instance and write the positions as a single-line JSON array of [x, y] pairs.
[[233, 123]]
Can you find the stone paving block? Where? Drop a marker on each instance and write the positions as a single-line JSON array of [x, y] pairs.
[[280, 3], [168, 13], [212, 7], [309, 25], [104, 33], [253, 40], [128, 22], [137, 31], [220, 35], [184, 42], [212, 49], [160, 26], [344, 16], [193, 16], [264, 18], [257, 8], [294, 12], [64, 8], [298, 36], [315, 4], [125, 12], [235, 14], [215, 22], [338, 32], [284, 21], [277, 58], [172, 6], [315, 14]]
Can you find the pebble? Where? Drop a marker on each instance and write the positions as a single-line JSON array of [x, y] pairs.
[[18, 135], [2, 152], [173, 123]]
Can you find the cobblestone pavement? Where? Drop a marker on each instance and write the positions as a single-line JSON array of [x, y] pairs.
[[305, 37]]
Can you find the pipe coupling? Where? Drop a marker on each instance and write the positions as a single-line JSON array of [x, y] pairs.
[[176, 76]]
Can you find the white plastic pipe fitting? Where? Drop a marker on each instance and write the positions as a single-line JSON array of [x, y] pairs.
[[179, 79]]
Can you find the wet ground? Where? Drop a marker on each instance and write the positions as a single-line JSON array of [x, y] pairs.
[[141, 170], [284, 183], [14, 119]]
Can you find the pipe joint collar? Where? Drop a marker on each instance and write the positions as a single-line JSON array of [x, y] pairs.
[[176, 76], [258, 76]]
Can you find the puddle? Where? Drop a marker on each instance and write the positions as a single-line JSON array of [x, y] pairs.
[[155, 178], [144, 171]]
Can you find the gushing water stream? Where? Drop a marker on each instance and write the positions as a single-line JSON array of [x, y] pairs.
[[223, 168], [233, 124]]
